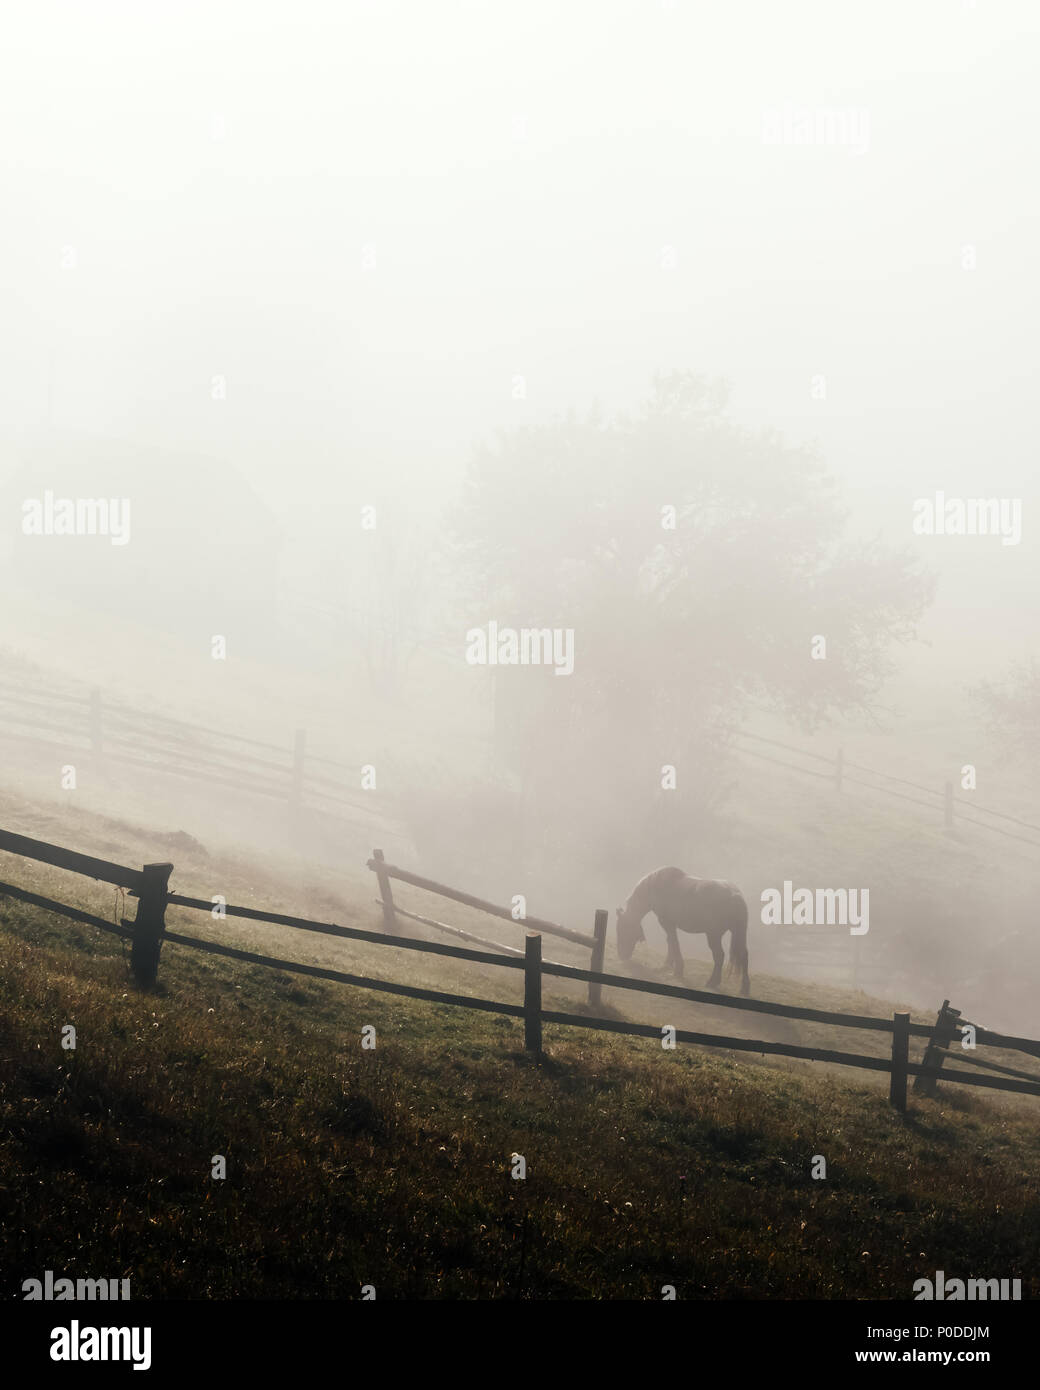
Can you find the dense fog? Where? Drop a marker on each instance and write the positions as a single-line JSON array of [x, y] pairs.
[[542, 408]]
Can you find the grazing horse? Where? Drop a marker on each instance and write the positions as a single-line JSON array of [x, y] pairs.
[[706, 906]]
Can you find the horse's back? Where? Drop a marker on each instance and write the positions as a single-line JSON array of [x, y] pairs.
[[696, 904], [666, 888]]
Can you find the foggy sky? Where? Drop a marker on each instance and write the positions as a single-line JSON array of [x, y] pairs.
[[225, 175]]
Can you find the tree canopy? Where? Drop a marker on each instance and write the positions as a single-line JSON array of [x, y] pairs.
[[696, 562]]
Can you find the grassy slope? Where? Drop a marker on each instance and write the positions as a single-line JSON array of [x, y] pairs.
[[391, 1167]]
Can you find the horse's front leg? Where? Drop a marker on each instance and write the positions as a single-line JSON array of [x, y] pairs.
[[674, 960], [718, 956]]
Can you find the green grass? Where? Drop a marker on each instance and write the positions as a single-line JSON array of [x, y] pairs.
[[392, 1168]]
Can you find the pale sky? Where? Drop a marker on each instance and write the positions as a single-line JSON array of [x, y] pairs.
[[370, 218]]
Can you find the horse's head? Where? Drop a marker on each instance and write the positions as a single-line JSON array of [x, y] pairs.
[[629, 932]]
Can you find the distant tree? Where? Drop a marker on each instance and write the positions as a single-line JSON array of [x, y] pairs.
[[676, 629], [1011, 708]]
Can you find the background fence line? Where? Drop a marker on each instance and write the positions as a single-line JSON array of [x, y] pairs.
[[946, 803], [147, 932], [116, 731], [109, 731]]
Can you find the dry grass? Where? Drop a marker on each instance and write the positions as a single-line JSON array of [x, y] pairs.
[[392, 1167]]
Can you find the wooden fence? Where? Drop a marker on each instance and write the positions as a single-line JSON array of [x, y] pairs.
[[38, 712], [103, 731], [836, 770], [384, 872], [147, 933]]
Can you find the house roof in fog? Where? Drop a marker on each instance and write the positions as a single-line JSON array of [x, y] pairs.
[[193, 495]]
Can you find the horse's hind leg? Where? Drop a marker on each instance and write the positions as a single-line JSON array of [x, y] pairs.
[[718, 955], [674, 960]]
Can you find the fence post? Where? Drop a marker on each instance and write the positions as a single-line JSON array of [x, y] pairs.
[[599, 931], [533, 993], [150, 923], [934, 1052], [900, 1057], [839, 768], [389, 915], [95, 722], [299, 753]]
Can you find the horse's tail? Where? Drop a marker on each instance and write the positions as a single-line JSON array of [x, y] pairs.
[[738, 953]]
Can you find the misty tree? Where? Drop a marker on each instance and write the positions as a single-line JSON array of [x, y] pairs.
[[1011, 708], [696, 561]]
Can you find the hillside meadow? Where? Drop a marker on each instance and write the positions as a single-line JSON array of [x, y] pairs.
[[392, 1167]]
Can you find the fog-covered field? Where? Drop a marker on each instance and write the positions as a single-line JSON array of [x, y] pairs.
[[546, 444]]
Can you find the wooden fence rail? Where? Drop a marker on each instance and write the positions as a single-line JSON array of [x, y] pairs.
[[108, 729], [384, 872], [69, 859], [836, 772], [147, 933], [103, 731]]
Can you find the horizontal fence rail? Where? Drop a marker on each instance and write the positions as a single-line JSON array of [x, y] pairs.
[[86, 864], [944, 801], [456, 895], [34, 712], [105, 731], [147, 932], [75, 914], [384, 872]]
